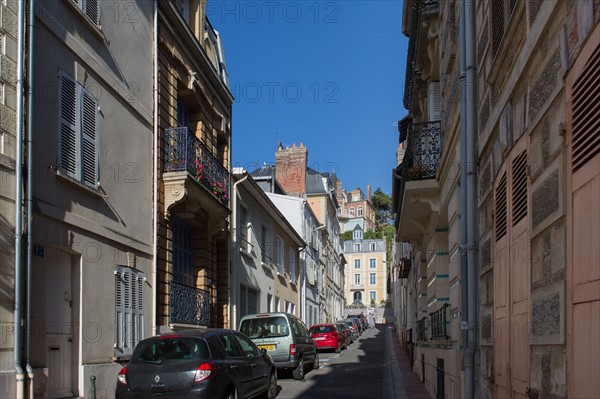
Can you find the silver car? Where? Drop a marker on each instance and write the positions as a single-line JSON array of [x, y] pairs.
[[286, 339]]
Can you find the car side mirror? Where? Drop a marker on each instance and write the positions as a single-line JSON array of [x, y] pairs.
[[263, 352]]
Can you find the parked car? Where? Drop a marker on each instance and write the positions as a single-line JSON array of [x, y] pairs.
[[285, 338], [363, 320], [328, 336], [353, 325], [359, 325], [347, 331], [215, 363]]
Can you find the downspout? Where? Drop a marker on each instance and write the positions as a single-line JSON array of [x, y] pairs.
[[30, 100], [20, 384], [233, 240], [464, 268], [155, 178], [303, 276], [471, 165]]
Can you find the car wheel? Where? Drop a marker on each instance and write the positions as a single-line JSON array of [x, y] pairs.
[[271, 391], [315, 365], [231, 394], [298, 372]]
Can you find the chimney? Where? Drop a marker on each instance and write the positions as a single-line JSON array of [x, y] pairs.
[[290, 168], [369, 195]]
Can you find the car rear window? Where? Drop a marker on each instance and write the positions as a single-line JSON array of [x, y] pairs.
[[321, 329], [265, 327], [170, 349]]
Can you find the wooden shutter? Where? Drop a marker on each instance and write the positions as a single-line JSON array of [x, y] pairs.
[[585, 113], [89, 140], [501, 208], [67, 125], [433, 96], [519, 187], [92, 10], [119, 311]]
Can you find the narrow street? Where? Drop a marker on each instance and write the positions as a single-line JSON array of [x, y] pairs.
[[364, 370]]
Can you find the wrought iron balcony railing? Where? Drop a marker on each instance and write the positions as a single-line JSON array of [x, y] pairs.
[[183, 151], [424, 151], [188, 305], [418, 7], [439, 327]]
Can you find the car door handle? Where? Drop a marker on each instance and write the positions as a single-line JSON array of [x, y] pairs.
[[234, 366], [252, 364]]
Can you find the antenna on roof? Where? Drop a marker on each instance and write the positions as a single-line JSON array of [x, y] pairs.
[[278, 144]]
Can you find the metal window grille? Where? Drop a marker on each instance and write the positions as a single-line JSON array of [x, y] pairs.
[[439, 323]]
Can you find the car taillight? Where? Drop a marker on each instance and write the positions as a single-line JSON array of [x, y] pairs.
[[204, 371], [122, 376], [292, 349]]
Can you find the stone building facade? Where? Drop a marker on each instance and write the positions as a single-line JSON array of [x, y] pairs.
[[536, 252], [194, 125]]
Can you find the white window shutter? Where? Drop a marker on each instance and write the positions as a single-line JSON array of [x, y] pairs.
[[119, 311], [89, 117], [435, 104], [67, 122]]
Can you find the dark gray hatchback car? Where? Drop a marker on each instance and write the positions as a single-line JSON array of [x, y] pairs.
[[216, 363]]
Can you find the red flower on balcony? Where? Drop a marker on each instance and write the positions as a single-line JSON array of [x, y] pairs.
[[219, 190], [197, 171]]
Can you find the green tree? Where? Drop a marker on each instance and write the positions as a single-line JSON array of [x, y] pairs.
[[382, 203], [346, 235]]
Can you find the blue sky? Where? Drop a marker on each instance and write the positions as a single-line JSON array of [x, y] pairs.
[[328, 74]]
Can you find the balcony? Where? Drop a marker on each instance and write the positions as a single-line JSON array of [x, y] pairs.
[[357, 287], [191, 171], [418, 193], [188, 305]]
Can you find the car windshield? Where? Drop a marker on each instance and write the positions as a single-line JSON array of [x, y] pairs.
[[265, 327], [169, 349], [320, 329]]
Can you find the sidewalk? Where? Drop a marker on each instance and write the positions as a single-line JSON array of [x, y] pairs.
[[406, 384]]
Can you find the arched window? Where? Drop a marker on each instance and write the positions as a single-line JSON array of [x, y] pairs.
[[357, 297]]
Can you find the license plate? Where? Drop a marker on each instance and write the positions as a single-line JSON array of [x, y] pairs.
[[319, 338], [267, 347]]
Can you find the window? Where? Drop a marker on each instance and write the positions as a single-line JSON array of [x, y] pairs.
[[248, 301], [357, 279], [372, 263], [351, 211], [372, 278], [280, 256], [292, 260], [355, 197], [90, 9], [243, 228], [357, 297], [357, 263], [438, 323], [183, 254], [230, 345], [373, 247], [373, 296], [357, 234], [129, 309], [356, 247], [266, 258], [77, 131], [360, 211], [248, 348], [183, 114]]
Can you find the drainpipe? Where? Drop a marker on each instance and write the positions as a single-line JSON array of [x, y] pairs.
[[464, 268], [233, 240], [20, 387], [155, 178], [470, 163], [30, 100]]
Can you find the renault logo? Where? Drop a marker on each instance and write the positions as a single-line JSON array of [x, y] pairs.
[[157, 378]]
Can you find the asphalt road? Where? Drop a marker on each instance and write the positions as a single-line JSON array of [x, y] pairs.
[[361, 371]]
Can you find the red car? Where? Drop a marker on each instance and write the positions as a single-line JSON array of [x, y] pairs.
[[328, 336]]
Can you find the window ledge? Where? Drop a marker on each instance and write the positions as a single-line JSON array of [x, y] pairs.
[[79, 184], [247, 254]]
